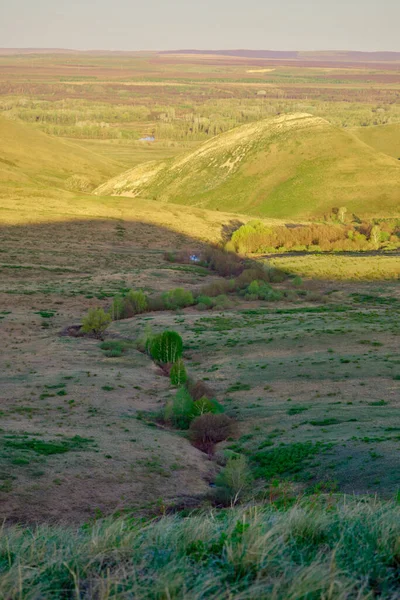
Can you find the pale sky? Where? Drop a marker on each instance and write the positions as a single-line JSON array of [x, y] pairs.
[[202, 24]]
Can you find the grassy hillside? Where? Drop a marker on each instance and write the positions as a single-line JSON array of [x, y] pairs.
[[384, 138], [310, 551], [29, 156], [290, 166]]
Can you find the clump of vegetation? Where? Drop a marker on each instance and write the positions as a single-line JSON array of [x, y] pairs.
[[260, 290], [166, 348], [96, 322], [178, 298], [346, 549], [199, 389], [178, 374], [113, 348], [135, 303], [233, 481], [206, 405], [210, 429], [256, 237], [180, 411]]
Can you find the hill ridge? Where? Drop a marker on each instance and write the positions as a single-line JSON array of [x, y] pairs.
[[295, 165]]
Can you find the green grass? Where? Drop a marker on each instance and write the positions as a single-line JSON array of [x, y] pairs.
[[339, 550], [295, 166]]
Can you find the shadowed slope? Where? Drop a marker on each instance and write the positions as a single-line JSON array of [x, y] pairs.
[[291, 166]]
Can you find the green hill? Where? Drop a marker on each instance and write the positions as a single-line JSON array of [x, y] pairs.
[[384, 138], [290, 166], [28, 156]]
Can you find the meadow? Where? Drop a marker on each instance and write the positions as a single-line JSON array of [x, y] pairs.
[[107, 488]]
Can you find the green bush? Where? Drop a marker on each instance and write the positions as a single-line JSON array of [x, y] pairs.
[[234, 480], [135, 303], [260, 290], [206, 300], [96, 322], [297, 281], [206, 405], [167, 347], [117, 308], [178, 373], [178, 298], [113, 348], [180, 411]]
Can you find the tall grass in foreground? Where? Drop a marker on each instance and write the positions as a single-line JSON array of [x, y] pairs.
[[350, 550]]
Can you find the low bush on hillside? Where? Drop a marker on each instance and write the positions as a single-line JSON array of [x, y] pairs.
[[256, 237], [178, 298], [233, 482], [342, 550], [167, 347], [259, 290], [96, 322], [199, 389], [178, 373], [210, 429]]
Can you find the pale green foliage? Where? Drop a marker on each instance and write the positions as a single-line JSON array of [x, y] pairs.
[[180, 410], [167, 347], [96, 322], [117, 308], [137, 301], [207, 405], [234, 480], [178, 298], [178, 373]]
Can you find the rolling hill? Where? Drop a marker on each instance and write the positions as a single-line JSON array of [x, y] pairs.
[[28, 156], [296, 166]]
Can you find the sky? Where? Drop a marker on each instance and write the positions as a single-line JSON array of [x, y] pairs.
[[366, 25]]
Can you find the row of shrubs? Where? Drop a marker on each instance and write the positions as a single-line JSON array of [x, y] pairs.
[[256, 237], [193, 406]]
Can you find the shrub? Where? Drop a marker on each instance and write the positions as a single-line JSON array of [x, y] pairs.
[[216, 288], [222, 302], [199, 389], [180, 411], [206, 300], [156, 303], [167, 347], [135, 303], [178, 373], [117, 308], [113, 348], [205, 405], [178, 298], [222, 262], [297, 281], [233, 481], [96, 322], [209, 429]]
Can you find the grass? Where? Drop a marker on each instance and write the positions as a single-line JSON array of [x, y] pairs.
[[340, 550], [292, 166], [358, 268]]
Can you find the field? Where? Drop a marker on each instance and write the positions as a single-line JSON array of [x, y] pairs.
[[104, 496]]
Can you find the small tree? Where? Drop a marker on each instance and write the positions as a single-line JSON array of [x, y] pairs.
[[136, 302], [178, 373], [180, 410], [234, 480], [117, 308], [166, 347], [375, 236], [96, 322], [341, 214]]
